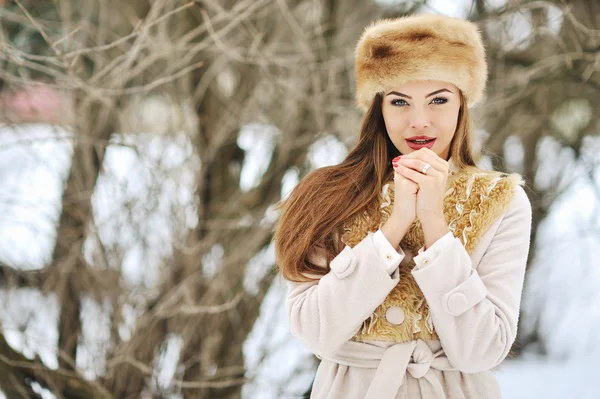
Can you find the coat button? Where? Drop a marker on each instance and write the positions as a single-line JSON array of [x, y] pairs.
[[395, 315], [457, 303], [389, 257]]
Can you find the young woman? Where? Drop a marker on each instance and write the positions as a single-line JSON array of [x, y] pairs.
[[405, 263]]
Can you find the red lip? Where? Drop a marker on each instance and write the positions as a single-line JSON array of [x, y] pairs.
[[420, 138], [416, 146]]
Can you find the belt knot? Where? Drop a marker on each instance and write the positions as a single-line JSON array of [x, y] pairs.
[[422, 356]]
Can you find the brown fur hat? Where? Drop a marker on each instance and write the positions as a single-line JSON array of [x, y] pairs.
[[420, 47]]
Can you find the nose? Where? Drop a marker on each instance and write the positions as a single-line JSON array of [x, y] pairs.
[[419, 119]]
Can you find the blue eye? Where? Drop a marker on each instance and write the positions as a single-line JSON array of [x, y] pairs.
[[437, 101], [396, 102]]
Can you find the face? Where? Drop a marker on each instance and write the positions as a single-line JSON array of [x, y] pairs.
[[422, 108]]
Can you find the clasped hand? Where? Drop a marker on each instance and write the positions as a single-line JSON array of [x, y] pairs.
[[431, 185]]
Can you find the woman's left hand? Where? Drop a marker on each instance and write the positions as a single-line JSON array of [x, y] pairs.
[[432, 184]]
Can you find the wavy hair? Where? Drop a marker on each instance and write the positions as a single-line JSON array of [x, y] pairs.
[[313, 214]]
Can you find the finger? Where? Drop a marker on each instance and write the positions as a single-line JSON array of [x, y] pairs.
[[425, 155], [411, 174], [434, 159], [418, 165], [399, 176], [430, 157]]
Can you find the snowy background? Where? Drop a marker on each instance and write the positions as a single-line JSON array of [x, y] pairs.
[[563, 290], [564, 285]]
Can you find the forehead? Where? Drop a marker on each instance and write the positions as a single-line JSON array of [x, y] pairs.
[[423, 87]]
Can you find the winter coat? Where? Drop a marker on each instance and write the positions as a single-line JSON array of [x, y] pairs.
[[410, 322]]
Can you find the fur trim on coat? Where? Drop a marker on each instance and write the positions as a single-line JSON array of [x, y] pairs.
[[473, 201]]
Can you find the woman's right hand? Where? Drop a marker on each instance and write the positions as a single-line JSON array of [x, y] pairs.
[[405, 198], [404, 210]]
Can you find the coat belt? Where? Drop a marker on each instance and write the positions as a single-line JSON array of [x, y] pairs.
[[392, 363]]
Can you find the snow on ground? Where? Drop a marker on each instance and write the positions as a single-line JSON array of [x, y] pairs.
[[535, 378]]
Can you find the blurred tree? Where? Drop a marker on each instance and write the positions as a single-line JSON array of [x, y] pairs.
[[278, 63], [544, 77]]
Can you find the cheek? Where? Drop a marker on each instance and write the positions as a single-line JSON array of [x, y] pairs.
[[447, 122], [395, 122]]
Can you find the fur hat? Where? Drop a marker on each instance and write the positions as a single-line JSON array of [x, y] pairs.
[[420, 47]]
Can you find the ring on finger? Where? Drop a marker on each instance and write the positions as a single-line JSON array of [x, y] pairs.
[[425, 168]]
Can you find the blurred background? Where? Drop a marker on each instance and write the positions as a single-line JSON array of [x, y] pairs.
[[144, 144]]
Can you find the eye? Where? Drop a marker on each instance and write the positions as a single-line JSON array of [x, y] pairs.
[[399, 102], [440, 100]]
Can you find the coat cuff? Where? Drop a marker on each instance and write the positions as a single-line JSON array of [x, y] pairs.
[[465, 295], [390, 257], [426, 257], [460, 289]]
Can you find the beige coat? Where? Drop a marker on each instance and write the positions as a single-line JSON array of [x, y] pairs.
[[473, 299]]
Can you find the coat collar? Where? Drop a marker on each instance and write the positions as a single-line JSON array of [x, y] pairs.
[[452, 165]]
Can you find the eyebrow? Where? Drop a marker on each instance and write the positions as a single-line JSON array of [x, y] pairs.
[[409, 97]]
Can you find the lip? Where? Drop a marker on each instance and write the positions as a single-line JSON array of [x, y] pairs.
[[420, 138], [415, 146]]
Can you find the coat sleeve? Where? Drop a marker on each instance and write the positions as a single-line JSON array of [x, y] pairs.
[[325, 313], [475, 310]]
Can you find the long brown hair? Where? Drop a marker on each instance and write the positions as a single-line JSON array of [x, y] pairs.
[[314, 212]]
